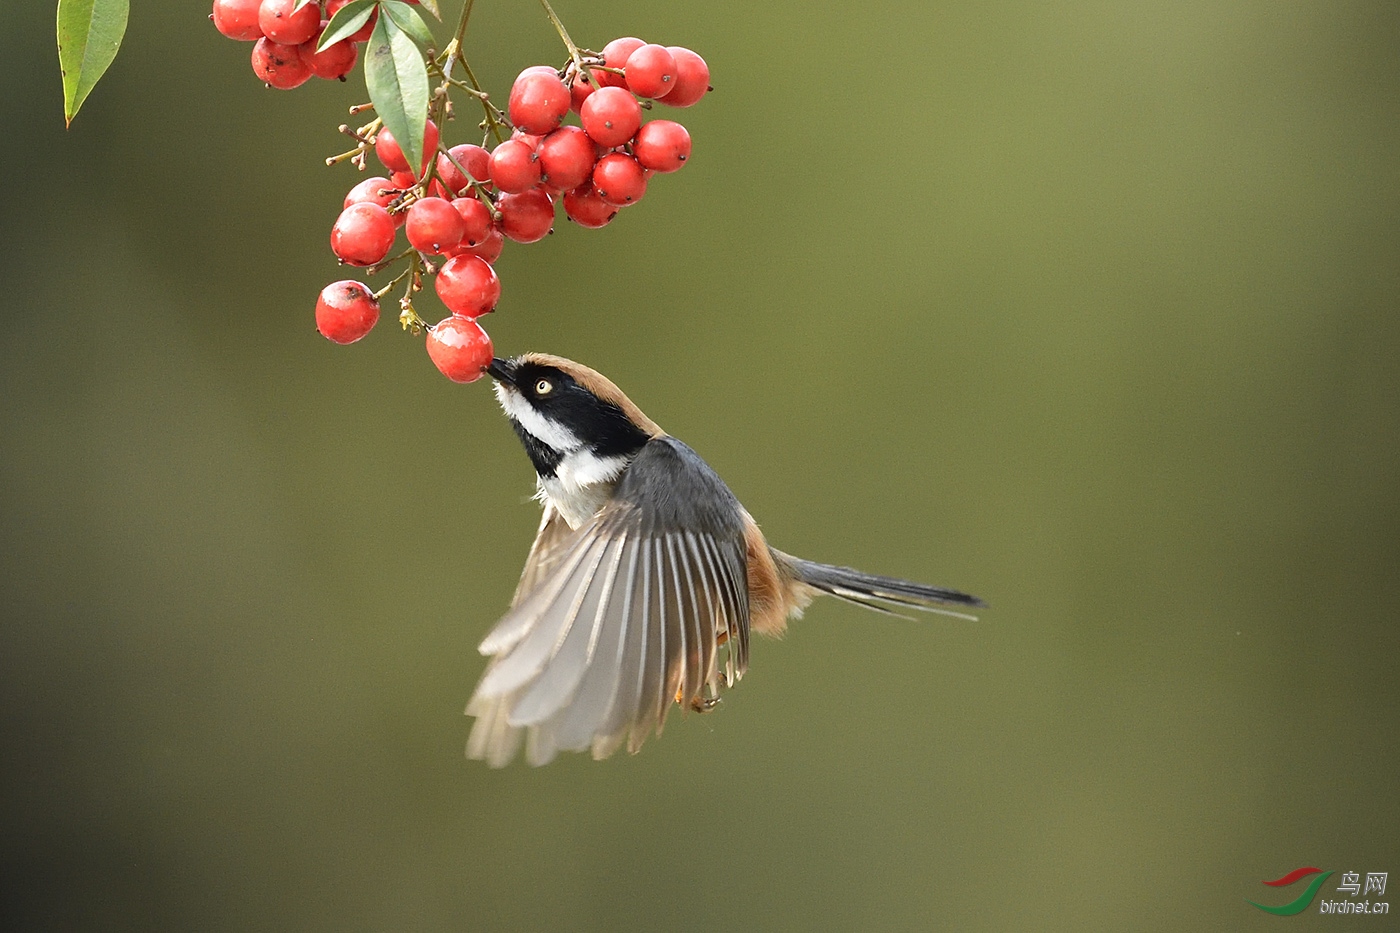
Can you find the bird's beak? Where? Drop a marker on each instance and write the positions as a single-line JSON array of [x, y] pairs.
[[501, 371]]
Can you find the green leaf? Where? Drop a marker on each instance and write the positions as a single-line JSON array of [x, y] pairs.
[[406, 18], [432, 7], [301, 3], [346, 22], [398, 86], [89, 34]]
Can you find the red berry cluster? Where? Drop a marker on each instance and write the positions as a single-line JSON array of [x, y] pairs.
[[463, 203], [285, 55]]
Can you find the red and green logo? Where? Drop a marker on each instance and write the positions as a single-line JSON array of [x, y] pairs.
[[1304, 899]]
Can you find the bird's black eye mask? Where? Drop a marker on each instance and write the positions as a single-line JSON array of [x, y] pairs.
[[602, 426]]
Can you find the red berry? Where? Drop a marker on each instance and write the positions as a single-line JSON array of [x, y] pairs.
[[238, 19], [615, 55], [566, 158], [611, 116], [433, 226], [279, 65], [579, 91], [515, 166], [489, 249], [363, 234], [460, 349], [526, 217], [651, 71], [402, 181], [336, 61], [387, 148], [468, 286], [538, 101], [476, 220], [346, 311], [662, 146], [586, 208], [692, 78], [619, 179], [284, 27], [376, 190], [532, 140], [474, 159], [363, 33]]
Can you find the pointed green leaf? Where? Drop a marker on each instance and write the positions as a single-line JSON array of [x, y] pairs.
[[406, 18], [346, 22], [301, 3], [398, 86], [89, 34], [432, 7]]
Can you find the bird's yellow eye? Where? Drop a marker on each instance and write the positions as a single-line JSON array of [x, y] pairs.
[[544, 387]]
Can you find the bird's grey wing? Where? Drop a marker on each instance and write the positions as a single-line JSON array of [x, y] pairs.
[[634, 613]]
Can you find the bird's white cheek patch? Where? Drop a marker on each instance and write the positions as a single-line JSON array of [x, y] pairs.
[[544, 430]]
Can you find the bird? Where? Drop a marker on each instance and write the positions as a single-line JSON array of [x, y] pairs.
[[644, 581]]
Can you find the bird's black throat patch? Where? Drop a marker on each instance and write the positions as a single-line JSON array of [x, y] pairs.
[[545, 459]]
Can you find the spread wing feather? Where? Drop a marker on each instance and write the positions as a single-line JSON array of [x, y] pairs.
[[616, 621]]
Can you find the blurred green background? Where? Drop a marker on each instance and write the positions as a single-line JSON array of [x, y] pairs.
[[1090, 309]]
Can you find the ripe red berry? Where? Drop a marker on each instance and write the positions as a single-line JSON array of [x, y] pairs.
[[489, 249], [376, 190], [651, 71], [460, 349], [284, 27], [586, 208], [363, 33], [532, 140], [336, 61], [476, 160], [619, 179], [692, 78], [468, 286], [566, 158], [387, 148], [433, 226], [280, 65], [476, 220], [526, 217], [538, 101], [662, 146], [346, 311], [579, 91], [615, 55], [611, 116], [515, 166], [238, 19], [363, 234]]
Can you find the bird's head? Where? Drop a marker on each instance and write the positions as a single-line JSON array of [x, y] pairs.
[[563, 410]]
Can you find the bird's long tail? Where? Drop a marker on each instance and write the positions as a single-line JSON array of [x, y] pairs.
[[875, 592]]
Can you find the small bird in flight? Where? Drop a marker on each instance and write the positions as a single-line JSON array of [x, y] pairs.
[[644, 580]]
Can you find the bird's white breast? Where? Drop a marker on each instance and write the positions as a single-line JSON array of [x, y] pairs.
[[582, 484]]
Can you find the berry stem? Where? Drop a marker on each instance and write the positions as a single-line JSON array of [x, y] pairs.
[[392, 282], [386, 263], [495, 121], [574, 53]]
